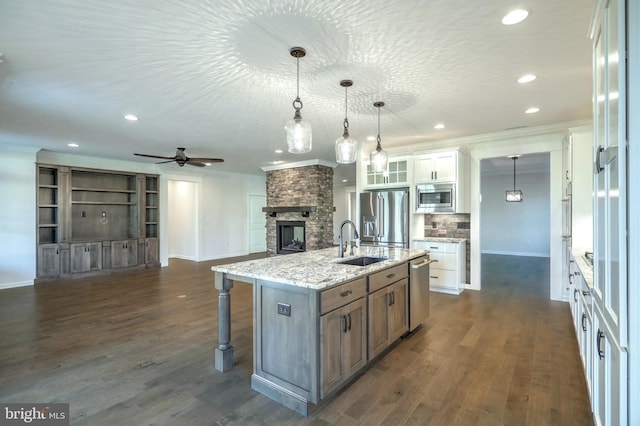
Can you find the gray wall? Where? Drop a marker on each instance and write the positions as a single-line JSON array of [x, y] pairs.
[[520, 229]]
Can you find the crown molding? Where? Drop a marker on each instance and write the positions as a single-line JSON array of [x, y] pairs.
[[306, 163]]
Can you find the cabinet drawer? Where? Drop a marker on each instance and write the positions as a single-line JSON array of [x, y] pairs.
[[444, 261], [341, 295], [435, 247], [384, 278], [442, 278]]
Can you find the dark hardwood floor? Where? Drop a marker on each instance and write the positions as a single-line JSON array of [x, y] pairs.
[[136, 348]]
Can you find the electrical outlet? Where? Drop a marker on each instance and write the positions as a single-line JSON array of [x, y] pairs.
[[284, 309]]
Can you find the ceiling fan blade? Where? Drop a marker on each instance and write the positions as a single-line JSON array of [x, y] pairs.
[[206, 160], [195, 163], [168, 161], [154, 156]]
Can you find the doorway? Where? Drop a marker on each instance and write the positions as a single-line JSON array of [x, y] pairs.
[[516, 233]]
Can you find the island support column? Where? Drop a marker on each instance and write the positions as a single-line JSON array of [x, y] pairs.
[[224, 351]]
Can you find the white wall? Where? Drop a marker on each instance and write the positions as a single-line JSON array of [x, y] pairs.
[[342, 196], [224, 214], [17, 216], [182, 217], [520, 229]]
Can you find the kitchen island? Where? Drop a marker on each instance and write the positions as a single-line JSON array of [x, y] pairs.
[[317, 321]]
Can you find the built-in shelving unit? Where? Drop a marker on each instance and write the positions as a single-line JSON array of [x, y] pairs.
[[48, 213], [92, 221], [151, 207]]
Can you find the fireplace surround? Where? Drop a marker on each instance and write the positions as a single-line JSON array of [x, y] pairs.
[[301, 194]]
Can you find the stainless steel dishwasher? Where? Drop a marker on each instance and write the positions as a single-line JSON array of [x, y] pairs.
[[419, 292]]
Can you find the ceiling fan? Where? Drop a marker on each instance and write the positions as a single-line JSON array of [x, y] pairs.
[[182, 159]]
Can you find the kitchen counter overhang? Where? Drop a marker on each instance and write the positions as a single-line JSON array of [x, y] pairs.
[[316, 269]]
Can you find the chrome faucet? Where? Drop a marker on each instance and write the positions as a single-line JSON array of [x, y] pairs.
[[355, 235]]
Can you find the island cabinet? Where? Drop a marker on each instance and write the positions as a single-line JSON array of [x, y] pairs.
[[311, 340], [343, 333], [387, 304]]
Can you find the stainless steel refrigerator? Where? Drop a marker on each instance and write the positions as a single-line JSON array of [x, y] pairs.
[[384, 217]]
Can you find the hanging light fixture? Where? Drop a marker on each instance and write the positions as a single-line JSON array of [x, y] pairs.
[[379, 158], [346, 146], [514, 195], [297, 130]]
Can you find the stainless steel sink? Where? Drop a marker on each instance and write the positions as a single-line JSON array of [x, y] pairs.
[[362, 260]]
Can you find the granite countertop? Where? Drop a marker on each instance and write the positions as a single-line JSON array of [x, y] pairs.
[[586, 269], [440, 239], [317, 269]]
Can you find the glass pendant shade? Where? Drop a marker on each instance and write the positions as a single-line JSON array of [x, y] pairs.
[[379, 159], [298, 133], [346, 149]]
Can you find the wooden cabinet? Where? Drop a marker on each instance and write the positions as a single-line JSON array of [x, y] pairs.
[[398, 173], [151, 251], [98, 216], [86, 257], [344, 347], [124, 253], [48, 260], [387, 304], [441, 167]]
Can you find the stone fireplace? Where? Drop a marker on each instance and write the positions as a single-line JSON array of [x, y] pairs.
[[299, 208]]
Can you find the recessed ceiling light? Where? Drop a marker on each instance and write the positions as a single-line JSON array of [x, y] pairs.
[[131, 117], [277, 162], [515, 17], [344, 181], [532, 110], [278, 151], [207, 164], [439, 126], [371, 138], [73, 145], [527, 78]]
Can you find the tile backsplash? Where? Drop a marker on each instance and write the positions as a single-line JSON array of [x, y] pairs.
[[450, 226]]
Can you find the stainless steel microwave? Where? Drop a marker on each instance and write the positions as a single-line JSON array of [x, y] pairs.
[[436, 198]]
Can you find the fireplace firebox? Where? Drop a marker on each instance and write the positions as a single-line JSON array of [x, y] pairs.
[[290, 236]]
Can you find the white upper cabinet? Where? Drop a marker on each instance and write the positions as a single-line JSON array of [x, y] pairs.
[[440, 167], [398, 174]]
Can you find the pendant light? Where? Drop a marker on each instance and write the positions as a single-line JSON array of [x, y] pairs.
[[379, 158], [514, 195], [345, 146], [298, 131]]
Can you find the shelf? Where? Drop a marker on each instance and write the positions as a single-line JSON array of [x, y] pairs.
[[48, 206], [104, 203], [48, 186], [47, 225], [305, 210], [124, 191]]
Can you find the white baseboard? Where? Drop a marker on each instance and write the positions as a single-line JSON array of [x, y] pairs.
[[177, 256], [447, 290], [17, 284]]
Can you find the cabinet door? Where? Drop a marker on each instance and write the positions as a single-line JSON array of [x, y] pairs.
[[124, 253], [424, 170], [378, 321], [94, 254], [398, 318], [332, 328], [610, 377], [445, 169], [344, 349], [151, 251], [610, 252], [48, 260], [79, 259]]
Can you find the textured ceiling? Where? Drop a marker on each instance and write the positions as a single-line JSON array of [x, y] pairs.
[[216, 76]]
